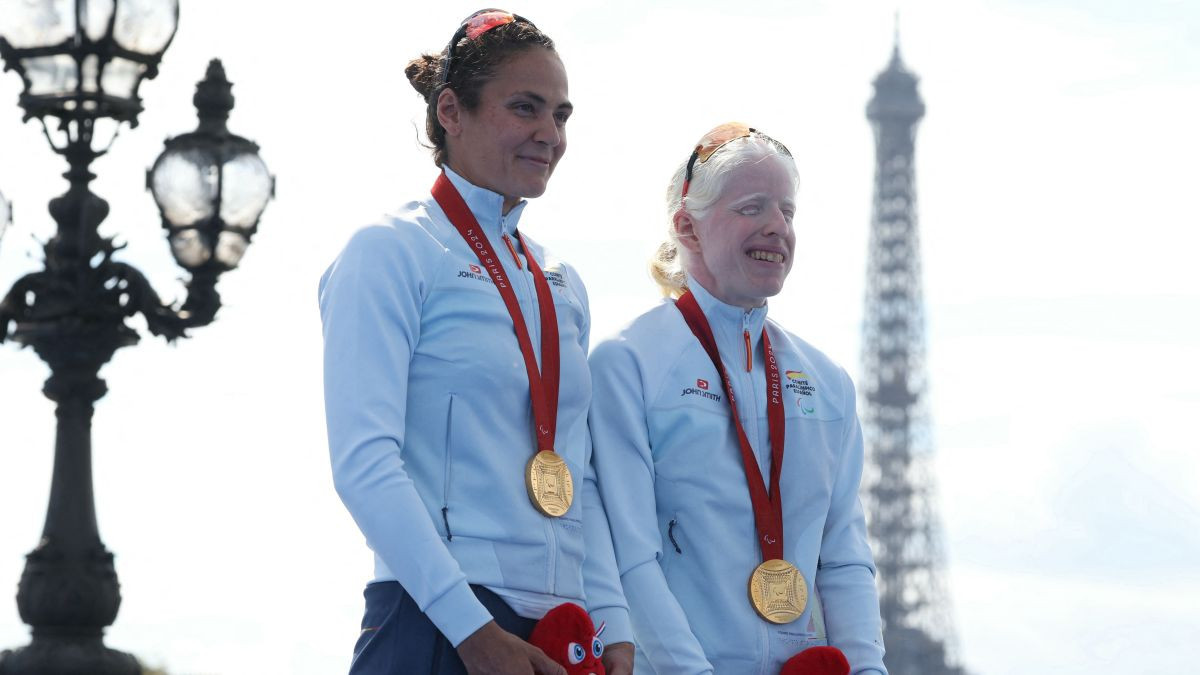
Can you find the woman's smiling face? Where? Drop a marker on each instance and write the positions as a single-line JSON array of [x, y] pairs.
[[514, 138], [740, 249]]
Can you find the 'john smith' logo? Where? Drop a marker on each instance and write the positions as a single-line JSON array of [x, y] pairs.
[[474, 272], [701, 390]]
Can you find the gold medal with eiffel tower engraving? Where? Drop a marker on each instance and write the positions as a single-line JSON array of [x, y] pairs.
[[548, 481], [778, 591]]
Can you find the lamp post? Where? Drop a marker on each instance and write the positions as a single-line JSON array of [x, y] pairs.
[[81, 63]]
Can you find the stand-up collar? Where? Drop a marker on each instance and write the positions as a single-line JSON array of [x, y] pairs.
[[487, 206], [728, 321]]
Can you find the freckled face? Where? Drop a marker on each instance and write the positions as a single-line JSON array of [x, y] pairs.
[[512, 141], [742, 248]]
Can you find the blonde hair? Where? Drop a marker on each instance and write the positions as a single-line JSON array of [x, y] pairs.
[[667, 266]]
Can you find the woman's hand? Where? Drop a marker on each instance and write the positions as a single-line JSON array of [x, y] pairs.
[[618, 658], [491, 650]]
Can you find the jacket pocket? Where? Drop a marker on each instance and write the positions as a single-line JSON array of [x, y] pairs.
[[671, 548], [671, 535]]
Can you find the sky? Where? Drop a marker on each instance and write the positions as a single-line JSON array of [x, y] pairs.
[[1055, 167]]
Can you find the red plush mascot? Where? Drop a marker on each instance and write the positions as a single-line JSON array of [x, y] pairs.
[[569, 637], [817, 661]]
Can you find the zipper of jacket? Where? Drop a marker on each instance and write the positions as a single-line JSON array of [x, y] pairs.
[[528, 302], [508, 242], [529, 309], [752, 404], [552, 567], [764, 646], [753, 391], [535, 333], [746, 340]]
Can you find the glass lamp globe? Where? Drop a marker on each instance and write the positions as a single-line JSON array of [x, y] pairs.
[[210, 185], [84, 59]]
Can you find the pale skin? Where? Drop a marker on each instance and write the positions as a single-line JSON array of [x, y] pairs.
[[741, 248], [510, 144]]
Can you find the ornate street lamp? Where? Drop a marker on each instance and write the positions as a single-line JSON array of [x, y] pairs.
[[82, 62]]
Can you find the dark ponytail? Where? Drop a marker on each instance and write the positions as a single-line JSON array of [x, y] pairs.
[[475, 63]]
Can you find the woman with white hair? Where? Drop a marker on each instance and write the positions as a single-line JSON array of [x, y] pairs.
[[728, 450]]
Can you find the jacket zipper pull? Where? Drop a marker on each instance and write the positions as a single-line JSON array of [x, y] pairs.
[[512, 250], [749, 355]]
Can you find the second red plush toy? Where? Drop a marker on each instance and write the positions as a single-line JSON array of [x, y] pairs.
[[817, 661], [569, 637]]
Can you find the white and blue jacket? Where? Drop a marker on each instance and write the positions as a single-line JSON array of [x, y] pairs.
[[671, 475], [430, 426]]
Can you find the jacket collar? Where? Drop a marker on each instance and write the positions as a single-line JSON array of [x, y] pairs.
[[487, 206], [729, 321]]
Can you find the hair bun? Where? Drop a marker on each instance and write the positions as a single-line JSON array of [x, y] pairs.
[[422, 73]]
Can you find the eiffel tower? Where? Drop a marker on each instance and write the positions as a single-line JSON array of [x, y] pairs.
[[898, 487]]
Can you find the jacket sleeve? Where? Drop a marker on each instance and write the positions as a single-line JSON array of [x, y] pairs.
[[846, 570], [625, 471], [601, 583], [370, 301]]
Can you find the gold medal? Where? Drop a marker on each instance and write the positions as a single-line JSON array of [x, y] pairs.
[[778, 591], [548, 481]]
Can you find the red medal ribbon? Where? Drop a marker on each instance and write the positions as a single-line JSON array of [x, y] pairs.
[[768, 508], [543, 387]]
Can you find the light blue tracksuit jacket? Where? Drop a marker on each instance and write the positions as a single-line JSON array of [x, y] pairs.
[[430, 426], [671, 475]]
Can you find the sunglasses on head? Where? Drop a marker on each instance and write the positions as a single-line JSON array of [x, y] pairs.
[[718, 138], [475, 25]]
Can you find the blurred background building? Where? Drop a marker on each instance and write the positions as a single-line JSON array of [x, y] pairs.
[[898, 484]]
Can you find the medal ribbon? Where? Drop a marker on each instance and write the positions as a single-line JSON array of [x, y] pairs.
[[543, 387], [768, 508]]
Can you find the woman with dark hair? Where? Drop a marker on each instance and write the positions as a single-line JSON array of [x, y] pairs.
[[457, 387], [728, 448]]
